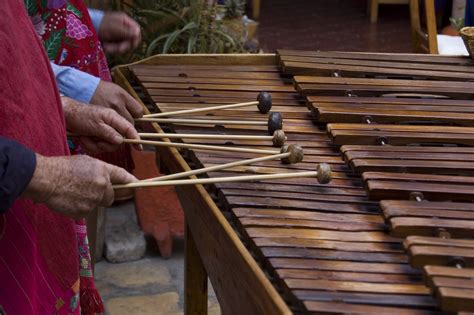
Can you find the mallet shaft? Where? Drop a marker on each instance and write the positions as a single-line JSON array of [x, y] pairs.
[[203, 136], [200, 110], [217, 180], [199, 146], [204, 121], [218, 167]]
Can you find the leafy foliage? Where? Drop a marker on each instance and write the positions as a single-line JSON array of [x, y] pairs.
[[234, 8], [184, 27]]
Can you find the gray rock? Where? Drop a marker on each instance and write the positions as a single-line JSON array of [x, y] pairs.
[[124, 242]]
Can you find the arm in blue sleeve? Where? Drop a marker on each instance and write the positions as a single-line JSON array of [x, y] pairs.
[[17, 165], [74, 83], [96, 17]]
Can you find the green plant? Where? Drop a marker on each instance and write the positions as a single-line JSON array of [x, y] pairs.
[[182, 26], [457, 23], [234, 8]]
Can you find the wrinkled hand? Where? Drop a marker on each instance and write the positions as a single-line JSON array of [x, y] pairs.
[[112, 96], [118, 32], [74, 185], [98, 129]]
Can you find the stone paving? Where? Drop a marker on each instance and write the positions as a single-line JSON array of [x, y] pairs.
[[151, 285]]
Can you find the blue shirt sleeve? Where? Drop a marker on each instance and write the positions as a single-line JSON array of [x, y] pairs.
[[96, 17], [17, 165], [74, 83]]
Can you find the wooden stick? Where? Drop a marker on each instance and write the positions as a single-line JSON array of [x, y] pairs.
[[199, 146], [278, 139], [203, 136], [204, 121], [217, 180], [218, 167], [200, 110], [264, 104]]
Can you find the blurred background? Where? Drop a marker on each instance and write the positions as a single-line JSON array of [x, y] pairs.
[[142, 273], [234, 26]]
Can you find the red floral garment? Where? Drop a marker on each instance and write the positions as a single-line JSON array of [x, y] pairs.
[[68, 35], [71, 40]]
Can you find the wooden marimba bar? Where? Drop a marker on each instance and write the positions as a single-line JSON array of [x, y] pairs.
[[405, 174], [411, 140]]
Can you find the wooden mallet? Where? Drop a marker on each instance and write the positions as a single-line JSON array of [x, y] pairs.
[[274, 122], [290, 154], [322, 173], [278, 139], [263, 102], [193, 146]]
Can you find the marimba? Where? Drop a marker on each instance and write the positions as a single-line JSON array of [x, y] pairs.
[[392, 233]]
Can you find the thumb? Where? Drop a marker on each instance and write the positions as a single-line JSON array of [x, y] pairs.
[[120, 176]]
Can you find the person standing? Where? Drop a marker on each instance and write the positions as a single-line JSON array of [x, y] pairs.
[[43, 190]]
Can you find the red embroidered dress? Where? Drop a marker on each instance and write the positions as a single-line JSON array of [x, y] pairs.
[[71, 40], [39, 252], [68, 35]]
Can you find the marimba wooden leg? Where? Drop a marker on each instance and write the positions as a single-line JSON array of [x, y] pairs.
[[374, 10], [195, 279]]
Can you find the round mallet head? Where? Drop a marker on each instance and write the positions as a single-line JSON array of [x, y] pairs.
[[324, 173], [275, 122], [264, 102], [279, 138], [296, 154]]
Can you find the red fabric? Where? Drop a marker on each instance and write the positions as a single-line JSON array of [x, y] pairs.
[[69, 36], [39, 259], [78, 46]]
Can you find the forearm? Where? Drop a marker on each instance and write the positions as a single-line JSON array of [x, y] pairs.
[[74, 83], [17, 165]]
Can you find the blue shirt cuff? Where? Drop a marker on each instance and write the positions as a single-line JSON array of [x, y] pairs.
[[96, 17], [74, 83]]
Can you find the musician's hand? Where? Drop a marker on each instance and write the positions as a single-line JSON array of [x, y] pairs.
[[98, 129], [112, 96], [74, 185], [119, 33]]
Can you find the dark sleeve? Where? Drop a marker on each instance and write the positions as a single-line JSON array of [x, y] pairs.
[[17, 165], [469, 17]]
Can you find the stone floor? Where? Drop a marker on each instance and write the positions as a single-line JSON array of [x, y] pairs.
[[151, 285]]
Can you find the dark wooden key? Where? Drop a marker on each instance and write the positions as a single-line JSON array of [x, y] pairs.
[[447, 272], [455, 300], [383, 185]]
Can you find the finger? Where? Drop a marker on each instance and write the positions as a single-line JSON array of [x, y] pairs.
[[124, 112], [110, 48], [108, 197], [107, 132], [120, 176], [124, 46], [137, 39], [132, 27], [89, 145], [133, 106], [121, 125], [107, 147]]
